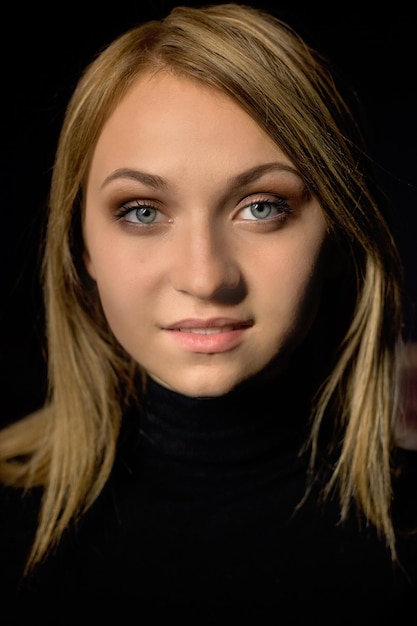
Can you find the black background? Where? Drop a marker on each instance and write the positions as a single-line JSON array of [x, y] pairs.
[[44, 49]]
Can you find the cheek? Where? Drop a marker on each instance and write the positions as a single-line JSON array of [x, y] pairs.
[[108, 268], [124, 283], [297, 282], [298, 293], [121, 302], [116, 283]]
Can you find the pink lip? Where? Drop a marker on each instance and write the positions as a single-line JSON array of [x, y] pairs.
[[209, 336]]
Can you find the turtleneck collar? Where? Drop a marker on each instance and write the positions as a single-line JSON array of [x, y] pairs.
[[247, 428]]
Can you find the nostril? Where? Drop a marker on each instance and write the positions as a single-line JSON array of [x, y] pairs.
[[205, 271], [231, 294]]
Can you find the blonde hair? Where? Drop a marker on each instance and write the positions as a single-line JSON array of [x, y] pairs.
[[68, 447]]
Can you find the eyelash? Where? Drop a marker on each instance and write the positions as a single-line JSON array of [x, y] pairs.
[[278, 203], [130, 207]]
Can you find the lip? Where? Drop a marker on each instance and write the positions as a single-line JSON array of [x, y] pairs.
[[190, 324], [209, 336]]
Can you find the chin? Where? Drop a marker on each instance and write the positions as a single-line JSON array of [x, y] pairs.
[[203, 386]]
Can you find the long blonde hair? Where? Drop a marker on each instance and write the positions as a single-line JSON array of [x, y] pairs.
[[68, 447]]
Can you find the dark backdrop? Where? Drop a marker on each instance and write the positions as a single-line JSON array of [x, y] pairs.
[[44, 49]]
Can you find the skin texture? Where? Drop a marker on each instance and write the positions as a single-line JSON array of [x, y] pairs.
[[232, 239]]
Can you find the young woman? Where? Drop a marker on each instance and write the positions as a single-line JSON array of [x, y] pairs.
[[224, 322]]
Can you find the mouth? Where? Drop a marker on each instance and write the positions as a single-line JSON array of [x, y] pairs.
[[209, 327], [207, 331], [209, 336]]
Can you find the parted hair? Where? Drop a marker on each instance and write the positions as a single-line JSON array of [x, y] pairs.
[[67, 448]]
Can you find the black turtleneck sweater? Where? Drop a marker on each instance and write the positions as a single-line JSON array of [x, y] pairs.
[[200, 523]]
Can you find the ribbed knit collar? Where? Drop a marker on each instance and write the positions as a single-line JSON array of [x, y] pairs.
[[241, 431]]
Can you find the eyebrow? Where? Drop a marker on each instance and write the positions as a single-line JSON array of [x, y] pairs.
[[150, 180], [258, 171], [157, 182]]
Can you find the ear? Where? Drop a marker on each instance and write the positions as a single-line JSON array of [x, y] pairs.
[[89, 265]]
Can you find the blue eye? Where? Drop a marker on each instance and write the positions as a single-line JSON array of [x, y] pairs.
[[136, 213], [144, 214], [265, 209], [261, 210]]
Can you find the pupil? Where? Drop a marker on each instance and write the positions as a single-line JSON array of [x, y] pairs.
[[260, 209]]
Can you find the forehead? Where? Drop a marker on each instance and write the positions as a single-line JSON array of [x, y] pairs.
[[164, 116]]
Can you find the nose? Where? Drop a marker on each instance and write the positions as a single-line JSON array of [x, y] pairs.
[[204, 265]]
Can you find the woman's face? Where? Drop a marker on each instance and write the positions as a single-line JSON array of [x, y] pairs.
[[207, 249]]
